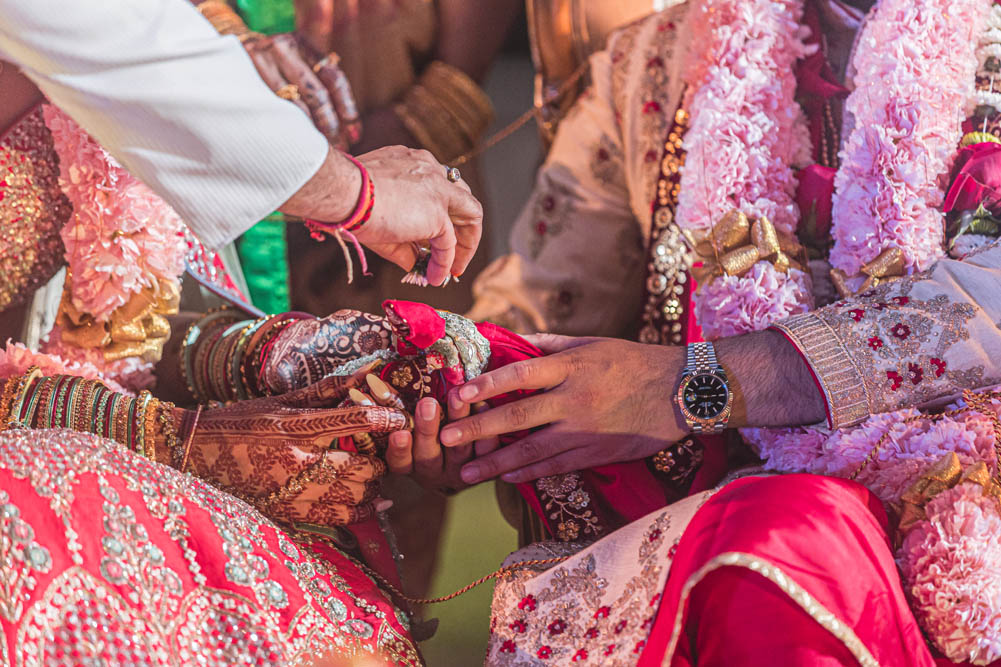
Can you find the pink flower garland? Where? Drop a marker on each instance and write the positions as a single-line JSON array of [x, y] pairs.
[[915, 69], [745, 133], [120, 239]]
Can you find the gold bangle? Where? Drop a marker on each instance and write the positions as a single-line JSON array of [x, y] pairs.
[[461, 96], [17, 399]]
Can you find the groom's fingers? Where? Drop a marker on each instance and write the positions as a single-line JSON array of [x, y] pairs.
[[517, 416], [531, 449], [540, 373]]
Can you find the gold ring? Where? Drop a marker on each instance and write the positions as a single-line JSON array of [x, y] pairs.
[[289, 92], [453, 174], [329, 60]]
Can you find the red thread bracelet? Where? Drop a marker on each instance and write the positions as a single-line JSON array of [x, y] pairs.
[[358, 217]]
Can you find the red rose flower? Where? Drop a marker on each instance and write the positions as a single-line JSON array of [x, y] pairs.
[[527, 603], [976, 179]]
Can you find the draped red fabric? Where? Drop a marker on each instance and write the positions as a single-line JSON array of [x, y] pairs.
[[828, 538]]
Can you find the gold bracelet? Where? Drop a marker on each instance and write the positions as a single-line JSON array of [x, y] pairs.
[[11, 418], [165, 417], [461, 97]]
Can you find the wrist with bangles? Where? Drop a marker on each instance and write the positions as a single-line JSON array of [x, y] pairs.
[[223, 357], [143, 424]]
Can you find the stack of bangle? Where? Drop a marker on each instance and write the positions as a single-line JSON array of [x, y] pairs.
[[88, 406], [222, 358], [446, 112]]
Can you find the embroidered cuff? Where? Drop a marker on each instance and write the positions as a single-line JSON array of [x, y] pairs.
[[835, 372]]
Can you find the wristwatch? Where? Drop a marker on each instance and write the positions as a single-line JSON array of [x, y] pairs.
[[704, 395]]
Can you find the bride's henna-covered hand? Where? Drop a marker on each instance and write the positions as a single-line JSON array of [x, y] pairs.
[[274, 453], [311, 349]]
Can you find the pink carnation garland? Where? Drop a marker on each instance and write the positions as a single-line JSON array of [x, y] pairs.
[[745, 133], [915, 69], [15, 359], [120, 239]]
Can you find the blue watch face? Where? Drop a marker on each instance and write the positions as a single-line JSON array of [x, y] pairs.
[[705, 396]]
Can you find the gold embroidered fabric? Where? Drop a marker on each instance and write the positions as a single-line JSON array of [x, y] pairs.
[[33, 209], [918, 341]]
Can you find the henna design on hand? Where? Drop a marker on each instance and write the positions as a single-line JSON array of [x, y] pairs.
[[310, 350]]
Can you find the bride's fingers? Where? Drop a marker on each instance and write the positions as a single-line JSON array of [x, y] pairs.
[[399, 455], [328, 392]]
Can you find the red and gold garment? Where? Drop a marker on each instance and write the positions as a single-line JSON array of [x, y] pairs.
[[108, 558]]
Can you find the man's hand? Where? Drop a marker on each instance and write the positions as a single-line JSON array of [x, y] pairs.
[[607, 401], [414, 202], [610, 401]]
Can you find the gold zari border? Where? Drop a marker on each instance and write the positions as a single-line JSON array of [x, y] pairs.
[[840, 379], [796, 593]]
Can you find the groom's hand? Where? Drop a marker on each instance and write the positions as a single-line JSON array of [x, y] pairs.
[[605, 401]]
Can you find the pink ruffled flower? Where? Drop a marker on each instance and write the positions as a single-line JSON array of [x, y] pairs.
[[746, 130], [121, 237], [732, 305], [915, 69], [15, 359], [951, 567]]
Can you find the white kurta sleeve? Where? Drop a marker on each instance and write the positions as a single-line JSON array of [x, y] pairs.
[[180, 107]]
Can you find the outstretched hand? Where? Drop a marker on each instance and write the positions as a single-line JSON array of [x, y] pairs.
[[604, 401]]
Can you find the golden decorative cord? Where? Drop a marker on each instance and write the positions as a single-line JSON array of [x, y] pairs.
[[520, 122], [974, 403]]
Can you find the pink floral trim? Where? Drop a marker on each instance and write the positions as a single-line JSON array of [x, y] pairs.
[[121, 237], [951, 566], [746, 129], [746, 133], [15, 359], [915, 69]]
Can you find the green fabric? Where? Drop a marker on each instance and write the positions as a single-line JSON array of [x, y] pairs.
[[268, 16], [263, 248], [263, 255]]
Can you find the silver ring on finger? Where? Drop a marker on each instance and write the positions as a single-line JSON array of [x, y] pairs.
[[453, 174]]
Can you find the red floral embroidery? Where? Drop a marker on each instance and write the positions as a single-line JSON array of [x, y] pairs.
[[901, 330], [856, 314], [580, 655], [591, 633], [557, 627], [655, 535], [895, 380], [519, 626], [655, 599], [620, 626], [541, 227], [639, 646], [508, 646], [609, 649], [875, 342], [939, 366], [544, 652], [672, 551], [900, 300], [653, 106], [882, 305], [648, 623], [915, 372], [603, 612], [527, 603]]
